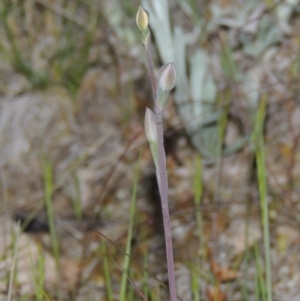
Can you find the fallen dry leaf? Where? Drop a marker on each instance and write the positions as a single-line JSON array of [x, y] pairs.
[[214, 293], [223, 274]]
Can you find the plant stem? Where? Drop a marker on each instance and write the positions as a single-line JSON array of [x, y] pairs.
[[151, 71], [163, 189], [162, 179]]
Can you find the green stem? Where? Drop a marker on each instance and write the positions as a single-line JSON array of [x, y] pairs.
[[262, 184], [130, 234]]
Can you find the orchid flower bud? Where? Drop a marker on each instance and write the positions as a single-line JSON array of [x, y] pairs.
[[142, 22], [167, 77], [166, 82], [142, 19], [151, 134], [150, 126]]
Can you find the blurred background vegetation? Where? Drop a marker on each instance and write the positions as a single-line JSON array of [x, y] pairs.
[[73, 93]]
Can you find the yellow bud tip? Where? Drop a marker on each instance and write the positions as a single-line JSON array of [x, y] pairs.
[[142, 19], [167, 77]]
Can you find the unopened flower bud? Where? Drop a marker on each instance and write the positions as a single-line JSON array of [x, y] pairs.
[[167, 77], [150, 126], [142, 19]]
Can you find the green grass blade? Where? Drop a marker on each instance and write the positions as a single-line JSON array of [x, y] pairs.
[[39, 279], [13, 264], [107, 274], [261, 290], [129, 236], [195, 283], [198, 190], [198, 185], [262, 185]]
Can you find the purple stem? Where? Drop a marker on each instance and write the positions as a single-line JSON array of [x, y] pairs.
[[163, 189], [151, 71], [163, 182]]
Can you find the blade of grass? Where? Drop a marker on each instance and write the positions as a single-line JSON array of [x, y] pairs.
[[246, 259], [37, 79], [195, 283], [107, 274], [262, 185], [198, 190], [227, 61], [261, 290], [48, 186], [198, 185], [39, 279], [131, 296], [14, 261], [130, 232]]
